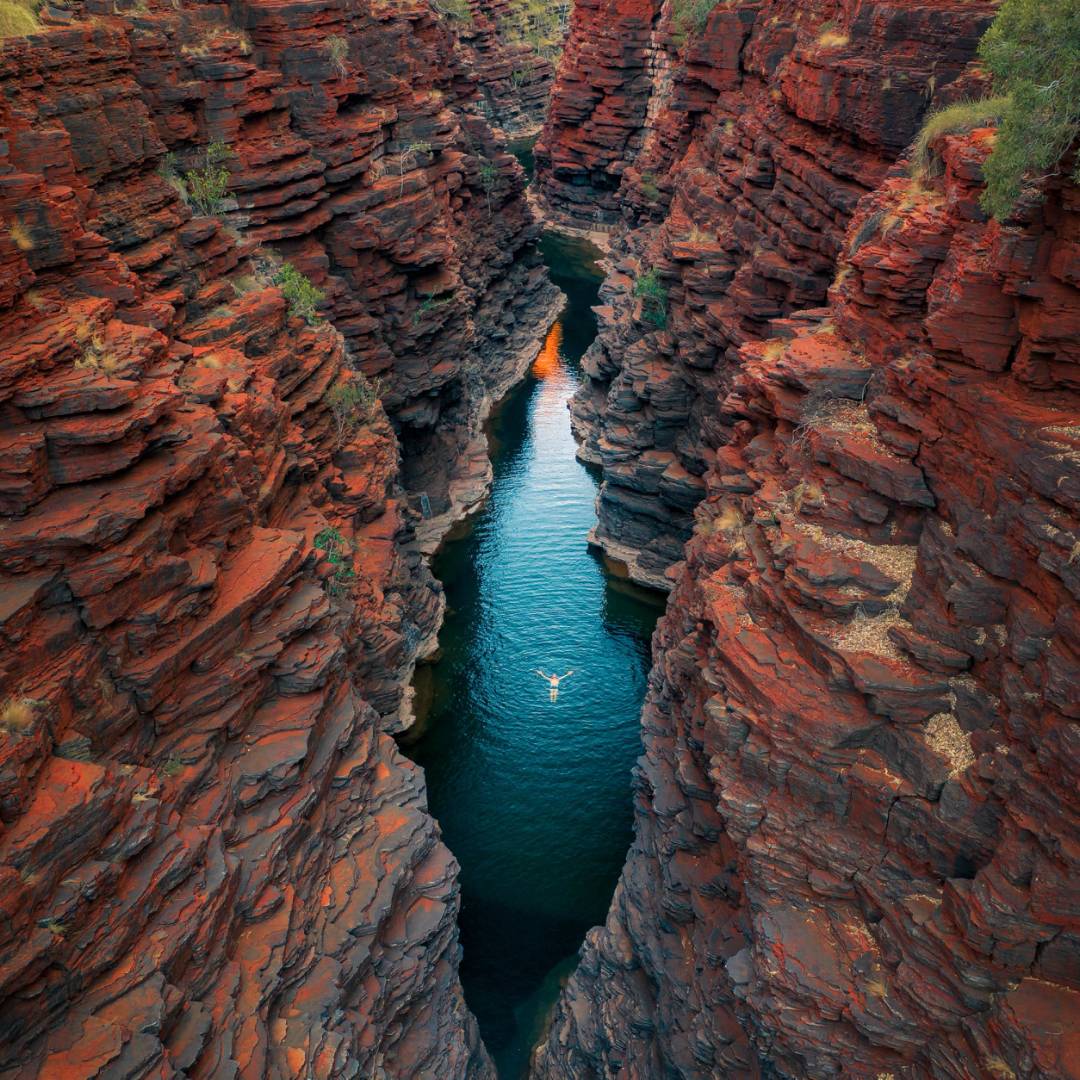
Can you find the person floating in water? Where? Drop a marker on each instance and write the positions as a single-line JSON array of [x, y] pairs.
[[553, 682]]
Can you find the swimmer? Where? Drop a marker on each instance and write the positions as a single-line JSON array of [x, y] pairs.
[[553, 683]]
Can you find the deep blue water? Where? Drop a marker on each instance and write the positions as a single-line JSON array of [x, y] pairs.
[[534, 797]]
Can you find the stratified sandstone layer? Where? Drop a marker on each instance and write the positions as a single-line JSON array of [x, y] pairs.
[[214, 861], [856, 812], [515, 79], [595, 123], [752, 152]]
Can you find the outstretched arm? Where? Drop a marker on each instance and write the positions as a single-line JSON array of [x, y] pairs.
[[540, 673], [568, 674]]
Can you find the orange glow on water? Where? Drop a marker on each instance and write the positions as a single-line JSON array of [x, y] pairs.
[[547, 363]]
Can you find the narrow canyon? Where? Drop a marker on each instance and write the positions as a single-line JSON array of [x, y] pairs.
[[364, 363]]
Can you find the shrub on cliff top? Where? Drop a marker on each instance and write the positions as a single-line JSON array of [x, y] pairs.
[[1032, 49]]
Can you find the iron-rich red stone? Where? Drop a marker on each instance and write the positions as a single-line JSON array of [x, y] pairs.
[[856, 809], [214, 859]]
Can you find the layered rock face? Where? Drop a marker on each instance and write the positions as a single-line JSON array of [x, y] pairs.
[[214, 860], [595, 123], [515, 79], [856, 809], [752, 152]]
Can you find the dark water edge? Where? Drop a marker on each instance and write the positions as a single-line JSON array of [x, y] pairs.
[[534, 797], [522, 149]]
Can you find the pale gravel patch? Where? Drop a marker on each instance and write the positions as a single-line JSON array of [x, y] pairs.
[[849, 417], [948, 738], [870, 634], [896, 561]]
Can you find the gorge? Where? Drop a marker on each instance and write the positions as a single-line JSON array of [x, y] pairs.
[[280, 336], [533, 797]]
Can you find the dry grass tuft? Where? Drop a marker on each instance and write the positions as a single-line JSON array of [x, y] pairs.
[[16, 715], [95, 358], [20, 236], [831, 38], [728, 520], [17, 19], [337, 49], [948, 738], [805, 491], [774, 349], [955, 119]]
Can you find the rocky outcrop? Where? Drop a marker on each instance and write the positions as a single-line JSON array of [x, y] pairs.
[[595, 123], [358, 151], [855, 809], [214, 860]]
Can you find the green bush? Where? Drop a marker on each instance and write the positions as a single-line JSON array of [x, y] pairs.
[[332, 544], [432, 303], [690, 16], [454, 9], [351, 404], [303, 298], [1032, 50], [489, 177], [654, 299], [205, 189]]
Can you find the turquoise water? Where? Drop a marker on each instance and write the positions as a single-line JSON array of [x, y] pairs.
[[533, 796]]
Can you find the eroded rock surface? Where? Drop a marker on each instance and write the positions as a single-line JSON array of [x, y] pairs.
[[214, 861], [856, 809], [503, 40], [740, 155]]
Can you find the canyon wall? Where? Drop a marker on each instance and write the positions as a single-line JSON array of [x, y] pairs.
[[506, 46], [856, 808], [214, 859], [745, 166]]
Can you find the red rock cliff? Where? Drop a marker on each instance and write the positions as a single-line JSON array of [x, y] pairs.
[[856, 808], [514, 78], [757, 144], [598, 106], [214, 861]]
